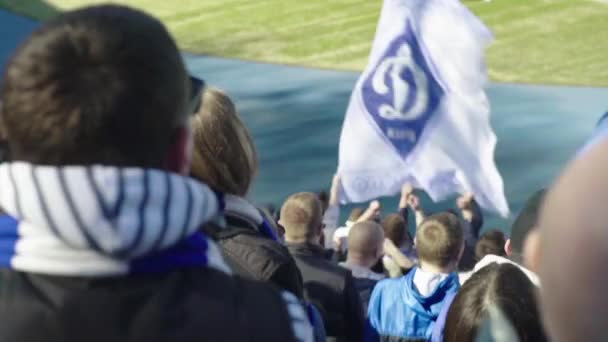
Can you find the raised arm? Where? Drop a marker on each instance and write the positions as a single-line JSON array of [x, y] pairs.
[[372, 211], [332, 214], [409, 199], [391, 250], [334, 194], [471, 212]]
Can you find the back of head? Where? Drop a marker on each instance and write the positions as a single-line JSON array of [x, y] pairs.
[[525, 222], [99, 85], [491, 242], [224, 155], [301, 217], [574, 250], [355, 214], [366, 239], [395, 229], [439, 240], [501, 286]]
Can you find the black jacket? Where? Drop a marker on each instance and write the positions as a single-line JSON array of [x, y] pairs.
[[330, 288], [254, 256], [364, 287], [189, 305]]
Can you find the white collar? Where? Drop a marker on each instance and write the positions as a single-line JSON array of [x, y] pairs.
[[489, 259], [426, 282]]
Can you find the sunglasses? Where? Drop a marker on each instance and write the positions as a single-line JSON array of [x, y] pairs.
[[197, 86]]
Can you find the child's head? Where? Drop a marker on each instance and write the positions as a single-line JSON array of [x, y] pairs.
[[440, 241]]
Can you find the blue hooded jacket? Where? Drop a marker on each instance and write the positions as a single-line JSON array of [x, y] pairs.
[[397, 311]]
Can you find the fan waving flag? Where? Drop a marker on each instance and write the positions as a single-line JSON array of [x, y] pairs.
[[419, 113]]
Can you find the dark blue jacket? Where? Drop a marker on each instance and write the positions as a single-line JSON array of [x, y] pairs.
[[398, 312]]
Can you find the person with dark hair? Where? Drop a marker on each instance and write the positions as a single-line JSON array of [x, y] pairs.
[[571, 251], [399, 262], [525, 223], [100, 227], [365, 241], [329, 287], [406, 308], [472, 223], [491, 242], [503, 287], [225, 158]]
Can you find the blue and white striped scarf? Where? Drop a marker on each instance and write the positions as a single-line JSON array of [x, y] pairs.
[[101, 221], [106, 221]]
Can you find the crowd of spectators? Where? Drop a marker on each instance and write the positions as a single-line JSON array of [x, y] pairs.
[[125, 217]]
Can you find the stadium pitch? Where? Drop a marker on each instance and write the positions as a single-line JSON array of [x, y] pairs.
[[537, 41]]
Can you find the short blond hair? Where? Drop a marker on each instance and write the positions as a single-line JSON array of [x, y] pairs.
[[301, 216], [224, 155], [439, 240]]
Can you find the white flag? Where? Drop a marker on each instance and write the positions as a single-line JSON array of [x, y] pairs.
[[419, 112]]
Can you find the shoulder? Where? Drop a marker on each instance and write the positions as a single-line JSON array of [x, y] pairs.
[[336, 270], [390, 284], [257, 250], [233, 309]]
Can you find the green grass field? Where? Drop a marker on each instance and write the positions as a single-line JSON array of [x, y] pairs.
[[538, 41]]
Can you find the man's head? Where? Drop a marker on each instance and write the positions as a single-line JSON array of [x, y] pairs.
[[525, 223], [99, 85], [301, 218], [573, 250], [395, 229], [365, 243], [440, 241], [491, 242]]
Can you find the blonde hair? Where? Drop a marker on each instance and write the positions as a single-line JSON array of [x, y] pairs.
[[301, 217], [224, 155], [439, 239]]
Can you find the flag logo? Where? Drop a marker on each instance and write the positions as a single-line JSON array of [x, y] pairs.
[[400, 92]]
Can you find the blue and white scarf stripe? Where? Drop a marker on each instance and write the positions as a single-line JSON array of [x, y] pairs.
[[103, 220]]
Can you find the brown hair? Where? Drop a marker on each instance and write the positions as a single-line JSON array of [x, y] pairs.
[[301, 216], [395, 229], [99, 85], [439, 239], [491, 242], [504, 287], [224, 155]]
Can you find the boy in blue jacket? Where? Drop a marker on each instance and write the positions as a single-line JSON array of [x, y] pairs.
[[406, 308]]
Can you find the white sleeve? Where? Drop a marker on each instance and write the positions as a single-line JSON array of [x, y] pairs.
[[331, 217]]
